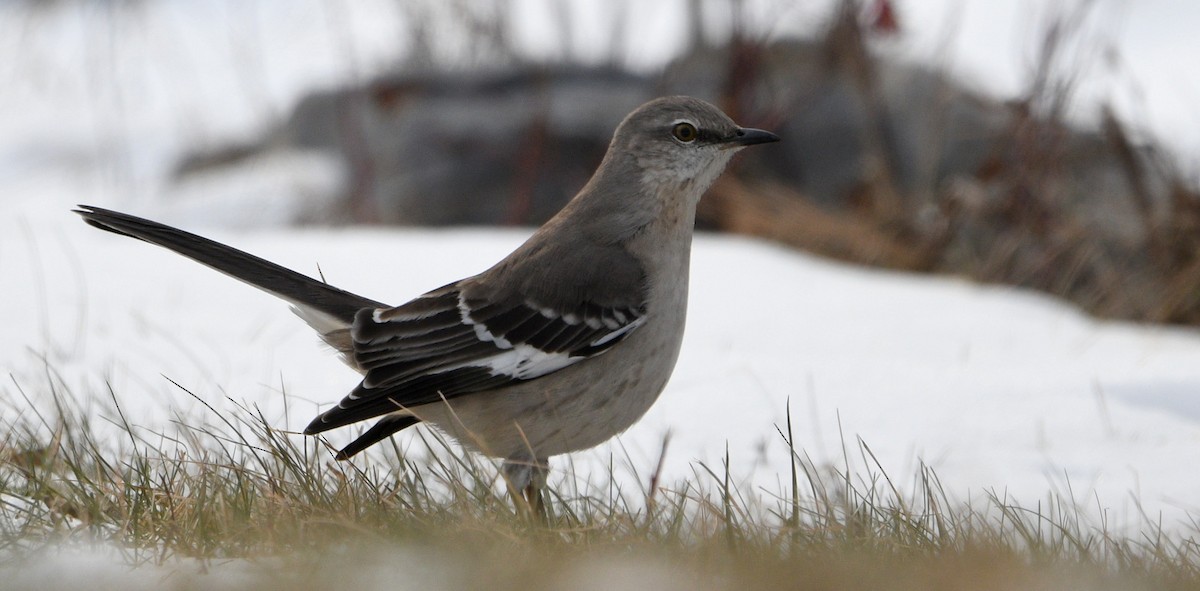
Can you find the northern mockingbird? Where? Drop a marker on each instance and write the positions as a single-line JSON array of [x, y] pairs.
[[561, 345]]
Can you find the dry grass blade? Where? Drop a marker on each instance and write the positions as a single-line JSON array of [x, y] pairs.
[[242, 490]]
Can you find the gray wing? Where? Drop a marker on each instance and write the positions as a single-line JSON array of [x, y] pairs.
[[457, 340]]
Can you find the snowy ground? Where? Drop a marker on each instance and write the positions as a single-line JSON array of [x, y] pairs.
[[996, 389]]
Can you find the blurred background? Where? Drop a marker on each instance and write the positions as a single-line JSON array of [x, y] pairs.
[[1039, 143]]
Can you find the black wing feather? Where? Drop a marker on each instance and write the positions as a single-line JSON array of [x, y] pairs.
[[415, 355], [386, 427]]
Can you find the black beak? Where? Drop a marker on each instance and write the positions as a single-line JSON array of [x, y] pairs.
[[746, 136]]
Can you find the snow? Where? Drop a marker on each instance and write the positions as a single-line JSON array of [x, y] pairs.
[[996, 389]]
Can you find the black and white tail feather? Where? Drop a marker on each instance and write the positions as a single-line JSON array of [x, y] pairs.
[[453, 341]]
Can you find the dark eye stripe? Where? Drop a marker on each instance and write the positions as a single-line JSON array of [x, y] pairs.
[[703, 135]]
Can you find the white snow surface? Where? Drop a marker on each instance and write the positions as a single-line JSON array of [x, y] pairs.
[[996, 389]]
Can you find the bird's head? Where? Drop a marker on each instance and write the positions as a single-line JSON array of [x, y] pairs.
[[680, 141], [662, 159]]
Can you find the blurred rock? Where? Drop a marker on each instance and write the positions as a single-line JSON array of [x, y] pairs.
[[443, 148], [881, 163], [510, 147]]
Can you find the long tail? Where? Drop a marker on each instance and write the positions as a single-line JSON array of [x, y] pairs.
[[327, 309]]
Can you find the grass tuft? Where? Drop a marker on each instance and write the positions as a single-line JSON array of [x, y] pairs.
[[238, 491]]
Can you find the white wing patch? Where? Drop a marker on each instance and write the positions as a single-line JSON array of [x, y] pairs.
[[525, 362], [522, 362]]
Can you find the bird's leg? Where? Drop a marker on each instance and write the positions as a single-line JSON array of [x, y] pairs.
[[534, 494], [526, 478]]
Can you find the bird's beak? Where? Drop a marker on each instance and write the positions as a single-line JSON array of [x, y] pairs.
[[746, 136]]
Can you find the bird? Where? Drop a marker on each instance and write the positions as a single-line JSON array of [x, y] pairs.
[[561, 345]]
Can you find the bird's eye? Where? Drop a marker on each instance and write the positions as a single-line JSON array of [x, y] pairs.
[[685, 132]]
